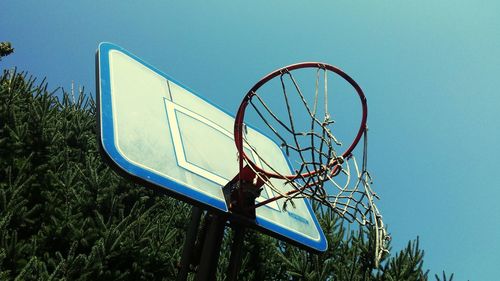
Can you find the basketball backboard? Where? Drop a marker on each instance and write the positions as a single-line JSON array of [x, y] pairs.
[[161, 133]]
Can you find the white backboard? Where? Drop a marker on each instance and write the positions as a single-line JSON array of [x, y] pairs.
[[157, 130]]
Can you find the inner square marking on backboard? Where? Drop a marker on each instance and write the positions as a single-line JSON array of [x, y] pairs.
[[172, 110]]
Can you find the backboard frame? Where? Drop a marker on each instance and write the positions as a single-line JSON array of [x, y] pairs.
[[122, 167]]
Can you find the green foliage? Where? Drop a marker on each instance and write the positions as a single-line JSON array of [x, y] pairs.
[[64, 215], [5, 49], [444, 277]]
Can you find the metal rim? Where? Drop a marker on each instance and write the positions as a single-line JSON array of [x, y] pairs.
[[238, 124]]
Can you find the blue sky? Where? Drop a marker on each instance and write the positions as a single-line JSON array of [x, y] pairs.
[[430, 70]]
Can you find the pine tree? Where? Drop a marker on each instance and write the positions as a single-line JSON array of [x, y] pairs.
[[64, 213], [5, 49]]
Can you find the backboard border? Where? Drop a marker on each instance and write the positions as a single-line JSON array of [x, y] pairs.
[[106, 146]]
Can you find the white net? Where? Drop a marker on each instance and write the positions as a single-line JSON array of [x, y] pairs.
[[335, 180]]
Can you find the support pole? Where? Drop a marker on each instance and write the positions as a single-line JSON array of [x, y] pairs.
[[209, 259], [189, 244], [236, 253]]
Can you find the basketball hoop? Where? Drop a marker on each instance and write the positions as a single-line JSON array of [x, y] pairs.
[[314, 148]]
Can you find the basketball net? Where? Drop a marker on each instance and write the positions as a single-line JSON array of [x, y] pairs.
[[334, 180]]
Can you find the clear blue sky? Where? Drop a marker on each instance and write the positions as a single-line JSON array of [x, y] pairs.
[[430, 70]]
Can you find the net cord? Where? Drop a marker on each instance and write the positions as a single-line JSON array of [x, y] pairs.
[[353, 200]]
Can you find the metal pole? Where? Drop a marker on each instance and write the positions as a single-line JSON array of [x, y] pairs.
[[187, 251], [207, 268], [236, 253]]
